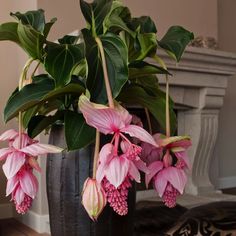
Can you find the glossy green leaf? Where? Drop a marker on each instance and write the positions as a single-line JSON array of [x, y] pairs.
[[39, 123], [95, 13], [35, 19], [144, 24], [136, 94], [78, 134], [69, 39], [48, 26], [36, 94], [117, 19], [61, 60], [175, 41], [8, 31], [117, 65], [142, 68], [29, 114]]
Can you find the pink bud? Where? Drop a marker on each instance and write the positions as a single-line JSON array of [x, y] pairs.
[[93, 198]]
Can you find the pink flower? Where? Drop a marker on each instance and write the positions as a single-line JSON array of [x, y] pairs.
[[21, 158], [23, 188], [93, 198], [119, 160], [16, 157], [168, 169]]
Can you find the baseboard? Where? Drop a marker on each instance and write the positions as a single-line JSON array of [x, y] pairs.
[[6, 211], [227, 182], [39, 223]]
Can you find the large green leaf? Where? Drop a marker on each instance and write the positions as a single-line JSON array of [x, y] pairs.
[[95, 13], [117, 18], [117, 65], [175, 41], [37, 94], [8, 31], [61, 60], [78, 134], [136, 95], [144, 24], [39, 123], [142, 68]]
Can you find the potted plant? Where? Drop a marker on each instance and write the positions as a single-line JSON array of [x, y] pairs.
[[89, 82]]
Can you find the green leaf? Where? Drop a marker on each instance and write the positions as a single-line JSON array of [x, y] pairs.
[[136, 95], [61, 60], [39, 123], [8, 31], [69, 39], [144, 24], [175, 41], [117, 65], [95, 13], [28, 115], [36, 94], [117, 18], [142, 68], [35, 19], [48, 26], [78, 134]]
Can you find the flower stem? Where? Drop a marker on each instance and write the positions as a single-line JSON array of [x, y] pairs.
[[105, 73], [96, 154], [167, 108], [21, 85], [148, 120]]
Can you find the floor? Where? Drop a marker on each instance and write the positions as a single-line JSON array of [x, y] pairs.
[[11, 227]]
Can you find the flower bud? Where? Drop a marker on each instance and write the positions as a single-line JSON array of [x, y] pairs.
[[93, 198]]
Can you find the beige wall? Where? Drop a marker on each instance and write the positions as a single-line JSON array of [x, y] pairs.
[[225, 149]]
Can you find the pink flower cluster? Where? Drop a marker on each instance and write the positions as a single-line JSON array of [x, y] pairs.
[[167, 166], [121, 160], [20, 159]]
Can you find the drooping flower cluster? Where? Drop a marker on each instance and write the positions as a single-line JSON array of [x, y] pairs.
[[20, 159], [119, 161], [167, 166]]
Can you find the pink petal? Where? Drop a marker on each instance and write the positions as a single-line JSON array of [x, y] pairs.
[[11, 185], [124, 114], [14, 162], [160, 183], [117, 171], [183, 155], [37, 149], [141, 165], [134, 173], [4, 152], [29, 184], [25, 141], [106, 153], [33, 163], [176, 177], [140, 133], [8, 135], [19, 195], [154, 168], [103, 118]]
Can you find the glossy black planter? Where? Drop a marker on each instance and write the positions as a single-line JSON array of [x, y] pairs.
[[66, 173]]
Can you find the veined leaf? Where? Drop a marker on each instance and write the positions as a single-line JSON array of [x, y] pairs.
[[61, 60], [35, 19], [136, 94], [69, 39], [175, 41], [78, 134], [144, 24], [8, 31], [39, 123], [95, 13], [117, 18], [117, 65], [37, 94], [142, 68]]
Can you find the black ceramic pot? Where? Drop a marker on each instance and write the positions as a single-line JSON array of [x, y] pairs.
[[66, 173]]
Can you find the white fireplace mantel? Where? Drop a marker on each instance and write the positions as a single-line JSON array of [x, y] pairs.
[[198, 88]]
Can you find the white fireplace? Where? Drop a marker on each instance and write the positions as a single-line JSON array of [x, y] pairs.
[[198, 88]]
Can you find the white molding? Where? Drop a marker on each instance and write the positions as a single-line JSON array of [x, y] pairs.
[[39, 223], [6, 211], [227, 182]]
